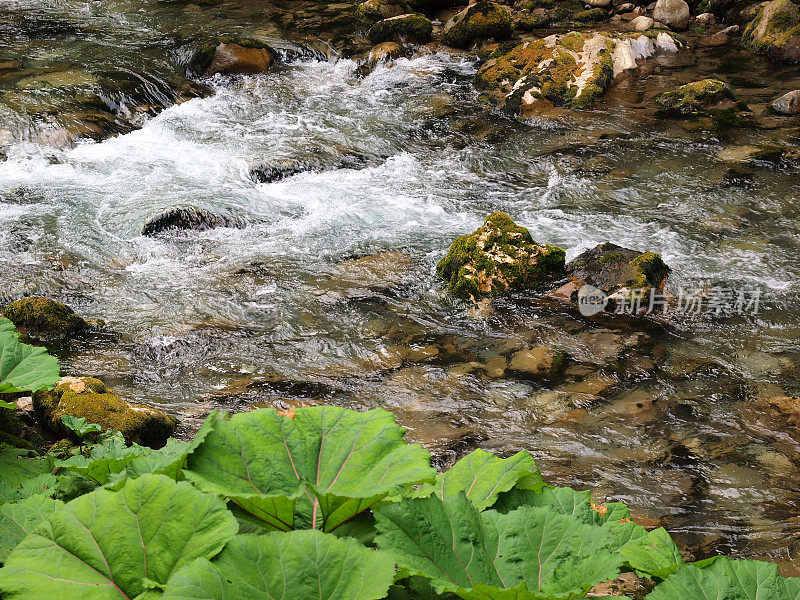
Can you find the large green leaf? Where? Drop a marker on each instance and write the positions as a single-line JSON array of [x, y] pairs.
[[109, 456], [482, 476], [792, 588], [116, 544], [320, 468], [529, 553], [564, 500], [24, 368], [18, 519], [727, 579], [654, 554], [17, 467], [298, 565]]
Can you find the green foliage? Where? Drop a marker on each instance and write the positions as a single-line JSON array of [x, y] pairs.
[[385, 526], [24, 368], [117, 544], [294, 566], [80, 426], [321, 468]]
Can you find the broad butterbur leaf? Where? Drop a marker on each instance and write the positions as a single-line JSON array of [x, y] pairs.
[[482, 476], [18, 467], [18, 519], [80, 426], [529, 553], [725, 578], [108, 544], [654, 554], [296, 565], [318, 469], [564, 500], [7, 405], [109, 456], [24, 368]]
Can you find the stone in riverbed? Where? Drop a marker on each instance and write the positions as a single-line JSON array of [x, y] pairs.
[[788, 104], [415, 28], [775, 31], [375, 10], [499, 257], [90, 399], [480, 21], [641, 23], [697, 98], [232, 56], [620, 273], [672, 13], [540, 362], [188, 218], [45, 319]]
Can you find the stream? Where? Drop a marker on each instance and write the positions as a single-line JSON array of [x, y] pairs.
[[286, 310]]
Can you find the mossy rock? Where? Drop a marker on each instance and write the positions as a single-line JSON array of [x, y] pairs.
[[593, 15], [549, 72], [775, 31], [415, 28], [375, 10], [90, 399], [696, 98], [499, 257], [45, 319], [480, 21], [203, 57]]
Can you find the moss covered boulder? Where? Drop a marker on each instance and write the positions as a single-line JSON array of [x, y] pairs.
[[45, 319], [697, 98], [480, 21], [375, 10], [775, 31], [232, 56], [571, 70], [414, 28], [620, 273], [498, 258], [89, 398]]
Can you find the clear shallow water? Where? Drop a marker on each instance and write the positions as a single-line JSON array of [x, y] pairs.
[[233, 318]]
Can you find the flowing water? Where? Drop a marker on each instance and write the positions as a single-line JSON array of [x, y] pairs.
[[281, 311]]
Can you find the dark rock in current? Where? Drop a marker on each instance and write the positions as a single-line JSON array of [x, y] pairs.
[[480, 21], [188, 218], [45, 319], [414, 28], [232, 56], [280, 170]]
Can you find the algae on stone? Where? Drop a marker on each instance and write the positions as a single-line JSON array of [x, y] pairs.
[[412, 28], [480, 21], [499, 257], [694, 98], [775, 31], [90, 399], [45, 319]]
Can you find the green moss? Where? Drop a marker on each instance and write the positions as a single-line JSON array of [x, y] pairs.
[[593, 15], [693, 98], [89, 398], [480, 21], [774, 25], [497, 258], [204, 54], [648, 267], [45, 319], [415, 28]]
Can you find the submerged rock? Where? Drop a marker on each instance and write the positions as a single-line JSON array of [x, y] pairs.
[[90, 399], [404, 28], [480, 21], [232, 56], [775, 31], [788, 104], [572, 70], [697, 98], [188, 218], [497, 258], [672, 13], [384, 52], [622, 274], [45, 319], [537, 363]]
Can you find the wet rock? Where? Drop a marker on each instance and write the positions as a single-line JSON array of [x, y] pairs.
[[737, 176], [706, 19], [480, 21], [384, 52], [414, 28], [622, 274], [189, 218], [758, 154], [672, 13], [499, 257], [375, 10], [720, 38], [788, 104], [45, 319], [89, 398], [599, 3], [269, 173], [775, 31], [496, 366], [538, 18], [627, 585], [641, 23], [592, 15], [572, 70], [366, 275], [232, 56], [540, 362], [697, 98]]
